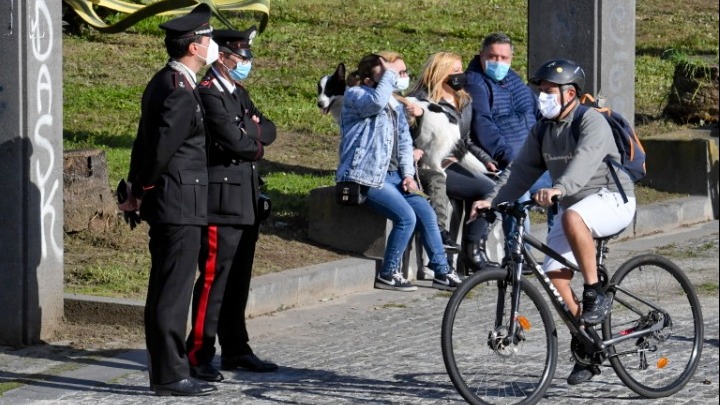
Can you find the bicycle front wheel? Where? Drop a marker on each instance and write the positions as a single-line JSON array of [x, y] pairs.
[[654, 294], [486, 364]]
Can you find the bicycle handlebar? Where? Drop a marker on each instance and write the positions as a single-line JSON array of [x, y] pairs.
[[515, 209]]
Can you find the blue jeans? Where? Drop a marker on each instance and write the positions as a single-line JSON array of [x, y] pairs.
[[509, 225], [406, 210]]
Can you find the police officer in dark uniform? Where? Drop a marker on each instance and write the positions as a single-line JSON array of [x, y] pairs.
[[238, 133], [168, 184]]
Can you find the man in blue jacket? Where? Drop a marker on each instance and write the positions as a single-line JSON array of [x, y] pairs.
[[504, 107]]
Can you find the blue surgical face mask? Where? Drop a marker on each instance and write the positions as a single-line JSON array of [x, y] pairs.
[[240, 72], [496, 70]]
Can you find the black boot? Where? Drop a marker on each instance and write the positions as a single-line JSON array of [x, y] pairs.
[[448, 243], [475, 256]]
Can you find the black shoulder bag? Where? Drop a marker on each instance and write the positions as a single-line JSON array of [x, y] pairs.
[[350, 193]]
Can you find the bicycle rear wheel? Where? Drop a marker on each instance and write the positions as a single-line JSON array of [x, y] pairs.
[[653, 291], [481, 367]]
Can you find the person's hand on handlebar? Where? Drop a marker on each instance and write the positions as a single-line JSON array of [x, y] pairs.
[[545, 197], [477, 207]]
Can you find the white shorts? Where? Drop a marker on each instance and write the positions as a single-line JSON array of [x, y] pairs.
[[604, 213]]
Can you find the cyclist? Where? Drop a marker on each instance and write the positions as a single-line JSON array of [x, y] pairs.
[[591, 204]]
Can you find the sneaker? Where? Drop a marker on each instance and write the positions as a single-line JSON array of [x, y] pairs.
[[448, 281], [596, 306], [448, 243], [581, 373], [394, 281]]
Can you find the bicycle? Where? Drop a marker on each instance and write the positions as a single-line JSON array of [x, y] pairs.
[[652, 336]]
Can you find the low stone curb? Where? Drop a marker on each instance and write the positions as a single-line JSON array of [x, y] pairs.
[[306, 285]]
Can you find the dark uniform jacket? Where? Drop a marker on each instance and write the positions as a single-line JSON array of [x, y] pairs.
[[168, 166], [236, 143]]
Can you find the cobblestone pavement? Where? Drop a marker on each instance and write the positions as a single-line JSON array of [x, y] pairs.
[[383, 347]]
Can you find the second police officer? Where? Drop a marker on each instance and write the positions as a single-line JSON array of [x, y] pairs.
[[237, 135]]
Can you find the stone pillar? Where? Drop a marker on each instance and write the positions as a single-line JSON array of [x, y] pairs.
[[599, 35], [31, 187]]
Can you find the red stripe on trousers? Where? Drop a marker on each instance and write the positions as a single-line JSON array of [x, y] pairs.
[[199, 326]]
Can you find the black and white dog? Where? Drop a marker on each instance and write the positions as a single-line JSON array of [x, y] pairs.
[[331, 92], [438, 138]]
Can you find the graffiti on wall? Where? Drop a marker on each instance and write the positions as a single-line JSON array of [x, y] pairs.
[[41, 37]]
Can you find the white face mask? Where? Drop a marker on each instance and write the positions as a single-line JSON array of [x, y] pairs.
[[213, 52], [402, 83], [549, 105]]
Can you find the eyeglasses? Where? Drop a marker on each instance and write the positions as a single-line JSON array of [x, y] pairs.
[[243, 61], [240, 60]]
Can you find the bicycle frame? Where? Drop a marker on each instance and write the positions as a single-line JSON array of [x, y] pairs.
[[495, 357], [520, 253]]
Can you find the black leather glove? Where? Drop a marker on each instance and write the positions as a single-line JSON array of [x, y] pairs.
[[123, 192], [132, 218]]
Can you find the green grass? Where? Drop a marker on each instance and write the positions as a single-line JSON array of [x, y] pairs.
[[288, 191], [7, 386], [97, 278], [707, 288], [305, 39], [105, 74], [673, 251], [391, 305]]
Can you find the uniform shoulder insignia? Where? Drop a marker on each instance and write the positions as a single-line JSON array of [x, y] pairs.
[[206, 82], [178, 80]]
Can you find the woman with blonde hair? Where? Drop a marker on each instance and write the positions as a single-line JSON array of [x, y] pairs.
[[376, 152], [441, 84]]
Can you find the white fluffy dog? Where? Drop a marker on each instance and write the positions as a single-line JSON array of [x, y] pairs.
[[439, 138]]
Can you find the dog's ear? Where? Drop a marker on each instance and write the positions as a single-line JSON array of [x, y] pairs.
[[340, 72]]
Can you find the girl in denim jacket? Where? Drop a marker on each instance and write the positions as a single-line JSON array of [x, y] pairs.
[[376, 151]]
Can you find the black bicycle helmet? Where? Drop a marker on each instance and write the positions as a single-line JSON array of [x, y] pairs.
[[560, 71]]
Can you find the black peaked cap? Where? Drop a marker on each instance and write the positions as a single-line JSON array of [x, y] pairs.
[[237, 42], [196, 22]]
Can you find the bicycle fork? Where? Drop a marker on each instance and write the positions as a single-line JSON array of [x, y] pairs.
[[502, 339], [515, 329]]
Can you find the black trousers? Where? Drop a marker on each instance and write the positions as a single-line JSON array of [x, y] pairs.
[[221, 292], [466, 186], [174, 251]]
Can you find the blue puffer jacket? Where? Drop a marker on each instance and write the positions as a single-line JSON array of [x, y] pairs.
[[503, 112], [367, 134]]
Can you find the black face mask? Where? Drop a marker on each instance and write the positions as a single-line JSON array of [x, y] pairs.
[[456, 81]]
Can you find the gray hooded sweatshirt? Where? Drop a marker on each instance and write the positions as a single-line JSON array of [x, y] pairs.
[[577, 169]]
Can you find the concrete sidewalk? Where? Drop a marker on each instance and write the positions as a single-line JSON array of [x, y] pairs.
[[341, 341]]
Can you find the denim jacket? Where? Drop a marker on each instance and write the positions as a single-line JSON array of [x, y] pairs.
[[367, 134]]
